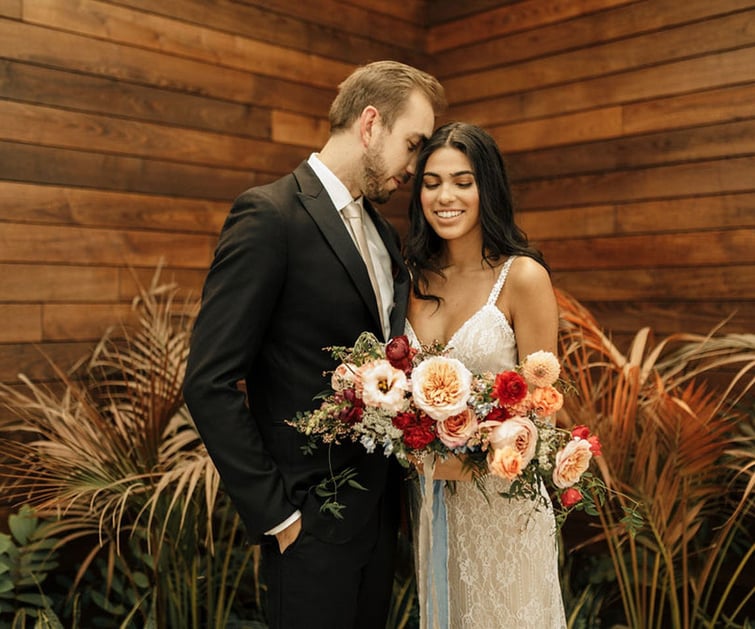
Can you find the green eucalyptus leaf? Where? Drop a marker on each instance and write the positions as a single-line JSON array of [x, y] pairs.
[[141, 580], [6, 543], [22, 525]]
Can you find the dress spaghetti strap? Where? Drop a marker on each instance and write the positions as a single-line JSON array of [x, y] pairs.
[[493, 298]]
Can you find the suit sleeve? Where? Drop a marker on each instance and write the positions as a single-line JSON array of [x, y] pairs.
[[240, 291]]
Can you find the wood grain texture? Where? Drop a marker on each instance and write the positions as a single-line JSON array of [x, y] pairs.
[[508, 19], [643, 51], [174, 37], [584, 31], [648, 217], [80, 92], [58, 205], [706, 284], [709, 72], [278, 26], [53, 165], [127, 127]]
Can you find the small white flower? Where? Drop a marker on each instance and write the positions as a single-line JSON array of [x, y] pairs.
[[368, 443], [387, 446]]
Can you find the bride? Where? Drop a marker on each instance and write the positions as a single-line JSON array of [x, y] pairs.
[[479, 289]]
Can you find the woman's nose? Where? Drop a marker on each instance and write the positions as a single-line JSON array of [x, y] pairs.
[[445, 194]]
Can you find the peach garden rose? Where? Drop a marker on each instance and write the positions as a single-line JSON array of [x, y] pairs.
[[517, 432], [457, 430], [506, 462], [546, 400], [571, 462], [441, 387]]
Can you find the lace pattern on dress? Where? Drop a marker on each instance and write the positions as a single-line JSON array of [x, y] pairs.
[[502, 554]]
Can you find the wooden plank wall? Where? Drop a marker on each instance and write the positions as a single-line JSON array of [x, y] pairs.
[[629, 128], [127, 127]]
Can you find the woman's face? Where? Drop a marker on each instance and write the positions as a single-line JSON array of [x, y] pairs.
[[449, 195]]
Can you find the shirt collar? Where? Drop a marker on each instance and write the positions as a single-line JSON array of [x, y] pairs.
[[337, 192]]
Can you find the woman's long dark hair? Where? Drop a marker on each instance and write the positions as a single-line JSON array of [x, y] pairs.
[[501, 237]]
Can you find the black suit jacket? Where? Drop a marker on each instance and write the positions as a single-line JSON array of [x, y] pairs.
[[286, 281]]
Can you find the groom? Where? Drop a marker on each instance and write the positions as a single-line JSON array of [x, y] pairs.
[[288, 280]]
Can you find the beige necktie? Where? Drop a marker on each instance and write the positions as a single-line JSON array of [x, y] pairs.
[[353, 214]]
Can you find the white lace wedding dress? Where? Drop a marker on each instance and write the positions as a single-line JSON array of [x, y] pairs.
[[502, 555]]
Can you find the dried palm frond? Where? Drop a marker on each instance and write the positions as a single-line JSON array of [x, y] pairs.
[[675, 446]]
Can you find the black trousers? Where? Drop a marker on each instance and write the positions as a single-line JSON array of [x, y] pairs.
[[320, 585]]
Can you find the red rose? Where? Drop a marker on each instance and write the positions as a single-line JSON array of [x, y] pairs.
[[497, 414], [419, 430], [399, 353], [570, 497], [402, 420], [509, 388], [595, 445], [580, 431]]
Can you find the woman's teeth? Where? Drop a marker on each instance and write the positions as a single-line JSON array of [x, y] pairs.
[[448, 213]]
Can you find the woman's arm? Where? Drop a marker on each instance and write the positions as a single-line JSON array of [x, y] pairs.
[[531, 304]]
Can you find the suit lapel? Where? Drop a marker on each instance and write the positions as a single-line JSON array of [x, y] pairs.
[[317, 203]]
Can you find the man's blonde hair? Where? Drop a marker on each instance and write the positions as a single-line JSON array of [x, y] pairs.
[[387, 86]]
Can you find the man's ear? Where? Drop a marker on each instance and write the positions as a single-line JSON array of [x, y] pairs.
[[369, 120]]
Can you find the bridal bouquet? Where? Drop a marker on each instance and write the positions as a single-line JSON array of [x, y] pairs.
[[413, 403]]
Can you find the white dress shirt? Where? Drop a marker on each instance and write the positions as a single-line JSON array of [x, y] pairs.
[[340, 197]]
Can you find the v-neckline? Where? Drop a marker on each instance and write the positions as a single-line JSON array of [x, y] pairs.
[[496, 288]]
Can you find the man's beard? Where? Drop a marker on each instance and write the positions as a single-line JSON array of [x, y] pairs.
[[374, 176]]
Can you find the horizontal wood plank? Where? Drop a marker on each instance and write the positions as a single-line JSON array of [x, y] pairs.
[[279, 28], [299, 130], [642, 184], [10, 8], [32, 124], [51, 165], [80, 92], [21, 323], [84, 322], [414, 12], [629, 152], [43, 283], [707, 37], [664, 317], [498, 21], [78, 245], [700, 108], [652, 250], [346, 17], [33, 360], [672, 215], [583, 126], [584, 31], [714, 71], [67, 51], [175, 37], [694, 284], [188, 282], [23, 202], [663, 115]]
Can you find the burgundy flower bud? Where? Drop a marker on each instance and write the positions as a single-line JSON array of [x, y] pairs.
[[399, 353]]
